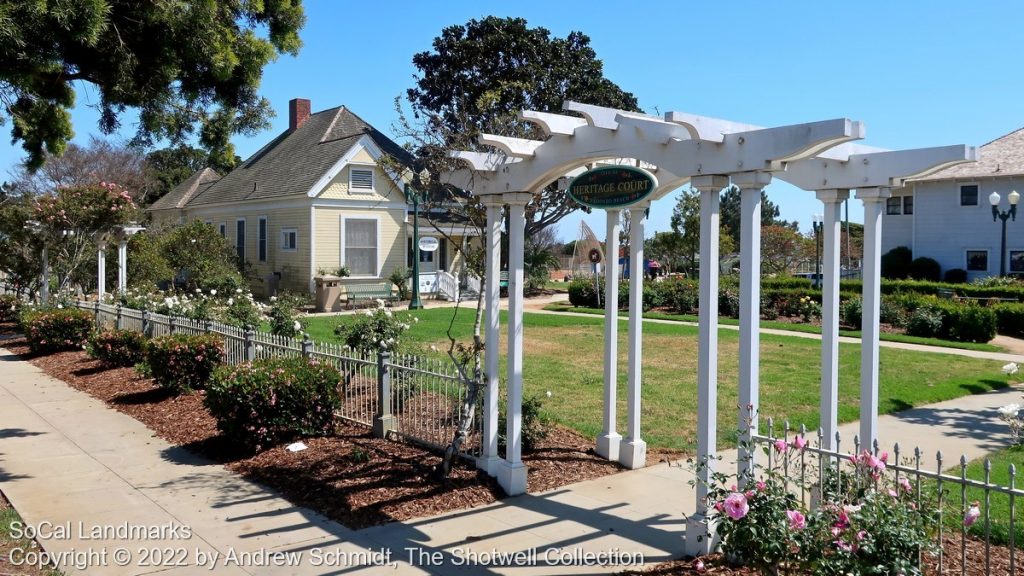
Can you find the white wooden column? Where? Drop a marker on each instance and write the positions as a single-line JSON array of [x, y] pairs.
[[830, 271], [44, 288], [750, 185], [698, 536], [512, 473], [489, 458], [874, 201], [101, 270], [122, 265], [609, 440], [633, 451]]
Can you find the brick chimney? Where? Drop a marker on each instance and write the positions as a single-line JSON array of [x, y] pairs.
[[298, 112]]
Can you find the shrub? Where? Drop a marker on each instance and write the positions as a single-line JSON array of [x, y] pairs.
[[183, 362], [925, 322], [57, 329], [264, 402], [891, 312], [925, 268], [729, 302], [9, 304], [534, 424], [117, 348], [582, 292], [242, 310], [374, 329], [283, 320], [681, 296], [955, 276], [400, 278], [851, 312], [896, 262], [968, 322], [1009, 318]]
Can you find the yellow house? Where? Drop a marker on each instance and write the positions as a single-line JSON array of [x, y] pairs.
[[312, 200]]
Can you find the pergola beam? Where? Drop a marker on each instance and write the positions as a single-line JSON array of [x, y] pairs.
[[873, 169]]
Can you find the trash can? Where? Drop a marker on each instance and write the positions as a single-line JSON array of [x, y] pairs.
[[328, 293]]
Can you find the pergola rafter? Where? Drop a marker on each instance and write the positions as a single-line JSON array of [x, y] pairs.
[[709, 153]]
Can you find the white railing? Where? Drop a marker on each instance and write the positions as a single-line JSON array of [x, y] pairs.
[[448, 285]]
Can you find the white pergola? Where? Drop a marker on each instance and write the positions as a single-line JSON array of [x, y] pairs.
[[121, 234], [709, 154]]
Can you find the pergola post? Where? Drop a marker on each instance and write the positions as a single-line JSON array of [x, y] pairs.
[[609, 440], [101, 270], [512, 473], [750, 185], [829, 409], [122, 265], [44, 288], [489, 458], [633, 451], [698, 532], [874, 200]]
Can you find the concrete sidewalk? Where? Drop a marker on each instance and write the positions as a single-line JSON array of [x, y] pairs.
[[65, 459]]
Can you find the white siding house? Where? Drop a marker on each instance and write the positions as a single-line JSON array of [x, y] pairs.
[[947, 216]]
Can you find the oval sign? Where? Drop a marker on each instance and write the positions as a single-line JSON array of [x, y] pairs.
[[429, 243], [594, 255], [612, 186]]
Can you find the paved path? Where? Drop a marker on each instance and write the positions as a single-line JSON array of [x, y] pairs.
[[66, 458]]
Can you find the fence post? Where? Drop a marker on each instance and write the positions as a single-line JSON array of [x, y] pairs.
[[207, 325], [170, 324], [250, 344], [147, 329], [117, 319], [307, 346], [96, 312], [384, 422]]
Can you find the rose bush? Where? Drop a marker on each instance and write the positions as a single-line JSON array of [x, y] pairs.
[[56, 329], [183, 362], [117, 348]]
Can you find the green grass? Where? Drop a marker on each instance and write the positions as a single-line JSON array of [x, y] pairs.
[[793, 327], [8, 519], [557, 286], [563, 355], [999, 504]]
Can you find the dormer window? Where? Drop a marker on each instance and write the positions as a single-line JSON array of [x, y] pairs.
[[360, 180]]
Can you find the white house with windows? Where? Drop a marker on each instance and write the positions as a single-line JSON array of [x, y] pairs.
[[312, 200], [948, 215]]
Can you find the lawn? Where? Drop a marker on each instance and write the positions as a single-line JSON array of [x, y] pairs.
[[563, 355]]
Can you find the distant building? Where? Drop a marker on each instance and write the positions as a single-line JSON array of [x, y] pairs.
[[947, 215]]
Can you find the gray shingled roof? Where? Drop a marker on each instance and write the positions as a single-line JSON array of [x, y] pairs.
[[294, 161], [1001, 157], [183, 192]]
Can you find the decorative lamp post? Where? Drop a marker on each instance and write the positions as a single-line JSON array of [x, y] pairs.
[[818, 222], [35, 228], [1003, 215], [123, 233], [415, 303]]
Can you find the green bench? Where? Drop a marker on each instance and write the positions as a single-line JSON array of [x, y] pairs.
[[356, 292]]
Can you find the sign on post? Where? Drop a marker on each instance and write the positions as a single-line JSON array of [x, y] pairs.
[[429, 244], [612, 186]]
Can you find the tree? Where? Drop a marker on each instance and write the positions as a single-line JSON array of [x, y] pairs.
[[168, 167], [729, 210], [186, 66], [98, 161], [665, 247], [686, 223], [781, 248]]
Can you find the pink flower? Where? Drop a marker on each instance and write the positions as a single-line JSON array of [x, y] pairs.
[[780, 445], [862, 535], [761, 486], [797, 521], [736, 506], [905, 484], [699, 565], [844, 546], [799, 442], [972, 515]]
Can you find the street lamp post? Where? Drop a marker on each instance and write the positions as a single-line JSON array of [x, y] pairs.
[[818, 224], [415, 303], [1013, 197]]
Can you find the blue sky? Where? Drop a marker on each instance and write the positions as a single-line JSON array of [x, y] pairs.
[[917, 73]]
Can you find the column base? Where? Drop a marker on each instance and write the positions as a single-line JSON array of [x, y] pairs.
[[384, 424], [700, 537], [608, 446], [489, 464], [511, 477], [633, 454]]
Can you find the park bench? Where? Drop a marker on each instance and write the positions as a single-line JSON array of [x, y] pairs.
[[383, 291]]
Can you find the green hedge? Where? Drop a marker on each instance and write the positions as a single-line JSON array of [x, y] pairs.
[[117, 348], [183, 362], [1009, 319], [57, 329]]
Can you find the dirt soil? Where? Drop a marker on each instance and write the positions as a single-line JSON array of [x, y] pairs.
[[351, 477]]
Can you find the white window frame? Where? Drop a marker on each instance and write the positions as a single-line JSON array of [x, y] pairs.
[[245, 238], [1009, 260], [380, 244], [263, 242], [988, 259], [373, 179], [284, 235], [960, 194]]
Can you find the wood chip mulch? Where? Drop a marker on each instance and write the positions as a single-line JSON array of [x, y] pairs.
[[351, 477]]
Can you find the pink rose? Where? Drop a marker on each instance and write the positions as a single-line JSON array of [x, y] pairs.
[[797, 521], [780, 446], [736, 506], [799, 442]]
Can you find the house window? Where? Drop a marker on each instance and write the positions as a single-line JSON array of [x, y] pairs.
[[892, 206], [969, 195], [208, 222], [289, 239], [360, 252], [360, 180], [263, 239], [223, 230], [977, 260], [240, 240], [1017, 261], [908, 204]]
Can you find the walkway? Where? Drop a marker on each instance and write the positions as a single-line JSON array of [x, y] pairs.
[[68, 460]]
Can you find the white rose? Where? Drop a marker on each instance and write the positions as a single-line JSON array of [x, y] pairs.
[[238, 290], [213, 292], [273, 298], [231, 301], [1010, 369], [1010, 410], [297, 326]]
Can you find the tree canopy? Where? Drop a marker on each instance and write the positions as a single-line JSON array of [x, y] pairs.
[[729, 210], [97, 161], [188, 67], [168, 167]]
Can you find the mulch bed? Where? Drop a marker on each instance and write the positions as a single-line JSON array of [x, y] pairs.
[[351, 477]]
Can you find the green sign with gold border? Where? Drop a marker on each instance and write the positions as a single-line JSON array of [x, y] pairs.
[[612, 186]]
